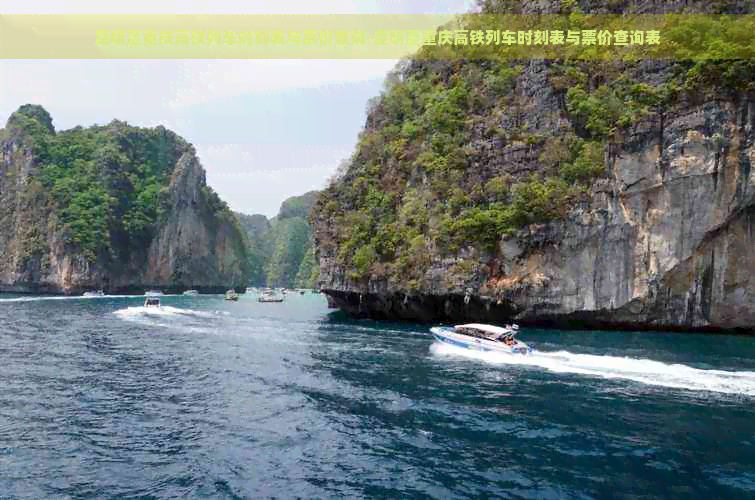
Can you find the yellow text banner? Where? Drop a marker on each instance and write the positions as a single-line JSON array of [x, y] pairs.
[[472, 36]]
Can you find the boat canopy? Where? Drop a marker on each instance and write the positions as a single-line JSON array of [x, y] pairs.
[[152, 302], [489, 331]]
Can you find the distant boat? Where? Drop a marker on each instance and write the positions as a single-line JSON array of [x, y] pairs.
[[153, 293], [251, 290], [191, 293], [269, 297], [98, 293], [152, 302], [231, 295]]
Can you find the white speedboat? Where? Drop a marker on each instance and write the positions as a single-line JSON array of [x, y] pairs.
[[153, 293], [152, 303], [191, 293], [479, 337]]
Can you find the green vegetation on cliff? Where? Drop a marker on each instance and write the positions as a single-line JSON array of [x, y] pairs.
[[410, 190], [290, 239], [106, 188], [256, 228], [280, 250], [452, 156]]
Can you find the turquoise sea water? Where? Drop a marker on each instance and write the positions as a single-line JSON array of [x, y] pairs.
[[100, 399]]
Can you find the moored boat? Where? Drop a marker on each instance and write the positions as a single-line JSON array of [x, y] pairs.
[[480, 337], [231, 295], [153, 293], [98, 293], [270, 297], [191, 293]]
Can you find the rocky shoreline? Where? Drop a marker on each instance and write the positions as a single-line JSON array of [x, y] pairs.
[[453, 309]]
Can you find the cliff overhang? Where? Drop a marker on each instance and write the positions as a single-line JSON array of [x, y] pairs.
[[457, 308]]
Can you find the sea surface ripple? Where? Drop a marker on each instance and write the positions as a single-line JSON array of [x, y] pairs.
[[103, 399]]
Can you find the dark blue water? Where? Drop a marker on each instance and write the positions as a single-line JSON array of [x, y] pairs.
[[214, 399]]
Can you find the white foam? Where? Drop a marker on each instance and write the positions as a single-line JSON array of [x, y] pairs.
[[141, 311], [646, 371]]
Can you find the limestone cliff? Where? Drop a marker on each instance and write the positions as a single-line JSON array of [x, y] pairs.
[[280, 249], [114, 207], [257, 230], [569, 199]]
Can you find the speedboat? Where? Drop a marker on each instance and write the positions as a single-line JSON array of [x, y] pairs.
[[479, 337], [191, 293], [152, 302], [153, 293], [231, 295], [98, 293]]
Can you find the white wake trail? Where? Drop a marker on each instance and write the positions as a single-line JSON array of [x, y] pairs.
[[163, 311], [646, 371]]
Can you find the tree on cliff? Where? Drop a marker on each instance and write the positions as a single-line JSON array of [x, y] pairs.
[[32, 112]]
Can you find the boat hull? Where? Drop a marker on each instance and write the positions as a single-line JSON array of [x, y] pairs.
[[449, 337]]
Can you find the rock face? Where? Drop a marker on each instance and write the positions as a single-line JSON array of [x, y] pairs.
[[665, 241], [668, 241], [195, 242], [194, 246]]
